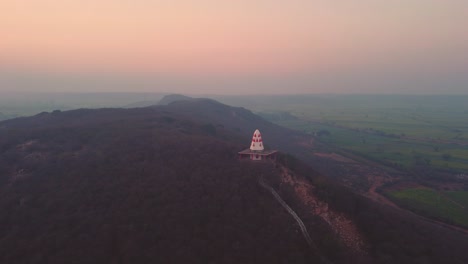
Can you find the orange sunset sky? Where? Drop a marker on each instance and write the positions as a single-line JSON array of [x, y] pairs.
[[216, 46]]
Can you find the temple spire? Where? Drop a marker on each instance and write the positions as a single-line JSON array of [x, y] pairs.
[[257, 142]]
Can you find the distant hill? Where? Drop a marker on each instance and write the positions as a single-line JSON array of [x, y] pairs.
[[163, 184], [165, 100], [173, 98]]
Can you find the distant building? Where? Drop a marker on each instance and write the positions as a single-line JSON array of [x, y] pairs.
[[257, 149]]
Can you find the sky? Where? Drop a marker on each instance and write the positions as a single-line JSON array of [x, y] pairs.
[[234, 47]]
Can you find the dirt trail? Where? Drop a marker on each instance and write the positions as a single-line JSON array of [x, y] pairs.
[[378, 181], [376, 178], [340, 224]]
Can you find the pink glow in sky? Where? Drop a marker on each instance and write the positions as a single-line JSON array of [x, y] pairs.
[[234, 39]]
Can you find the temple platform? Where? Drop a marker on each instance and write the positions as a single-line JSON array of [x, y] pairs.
[[258, 154]]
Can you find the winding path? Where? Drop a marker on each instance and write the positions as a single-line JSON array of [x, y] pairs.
[[290, 211]]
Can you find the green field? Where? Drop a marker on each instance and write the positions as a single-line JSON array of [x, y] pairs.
[[446, 206], [429, 117], [400, 151]]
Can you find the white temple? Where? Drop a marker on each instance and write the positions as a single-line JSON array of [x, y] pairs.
[[257, 142], [257, 149]]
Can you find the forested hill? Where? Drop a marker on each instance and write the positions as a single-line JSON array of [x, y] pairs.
[[163, 184], [135, 186]]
